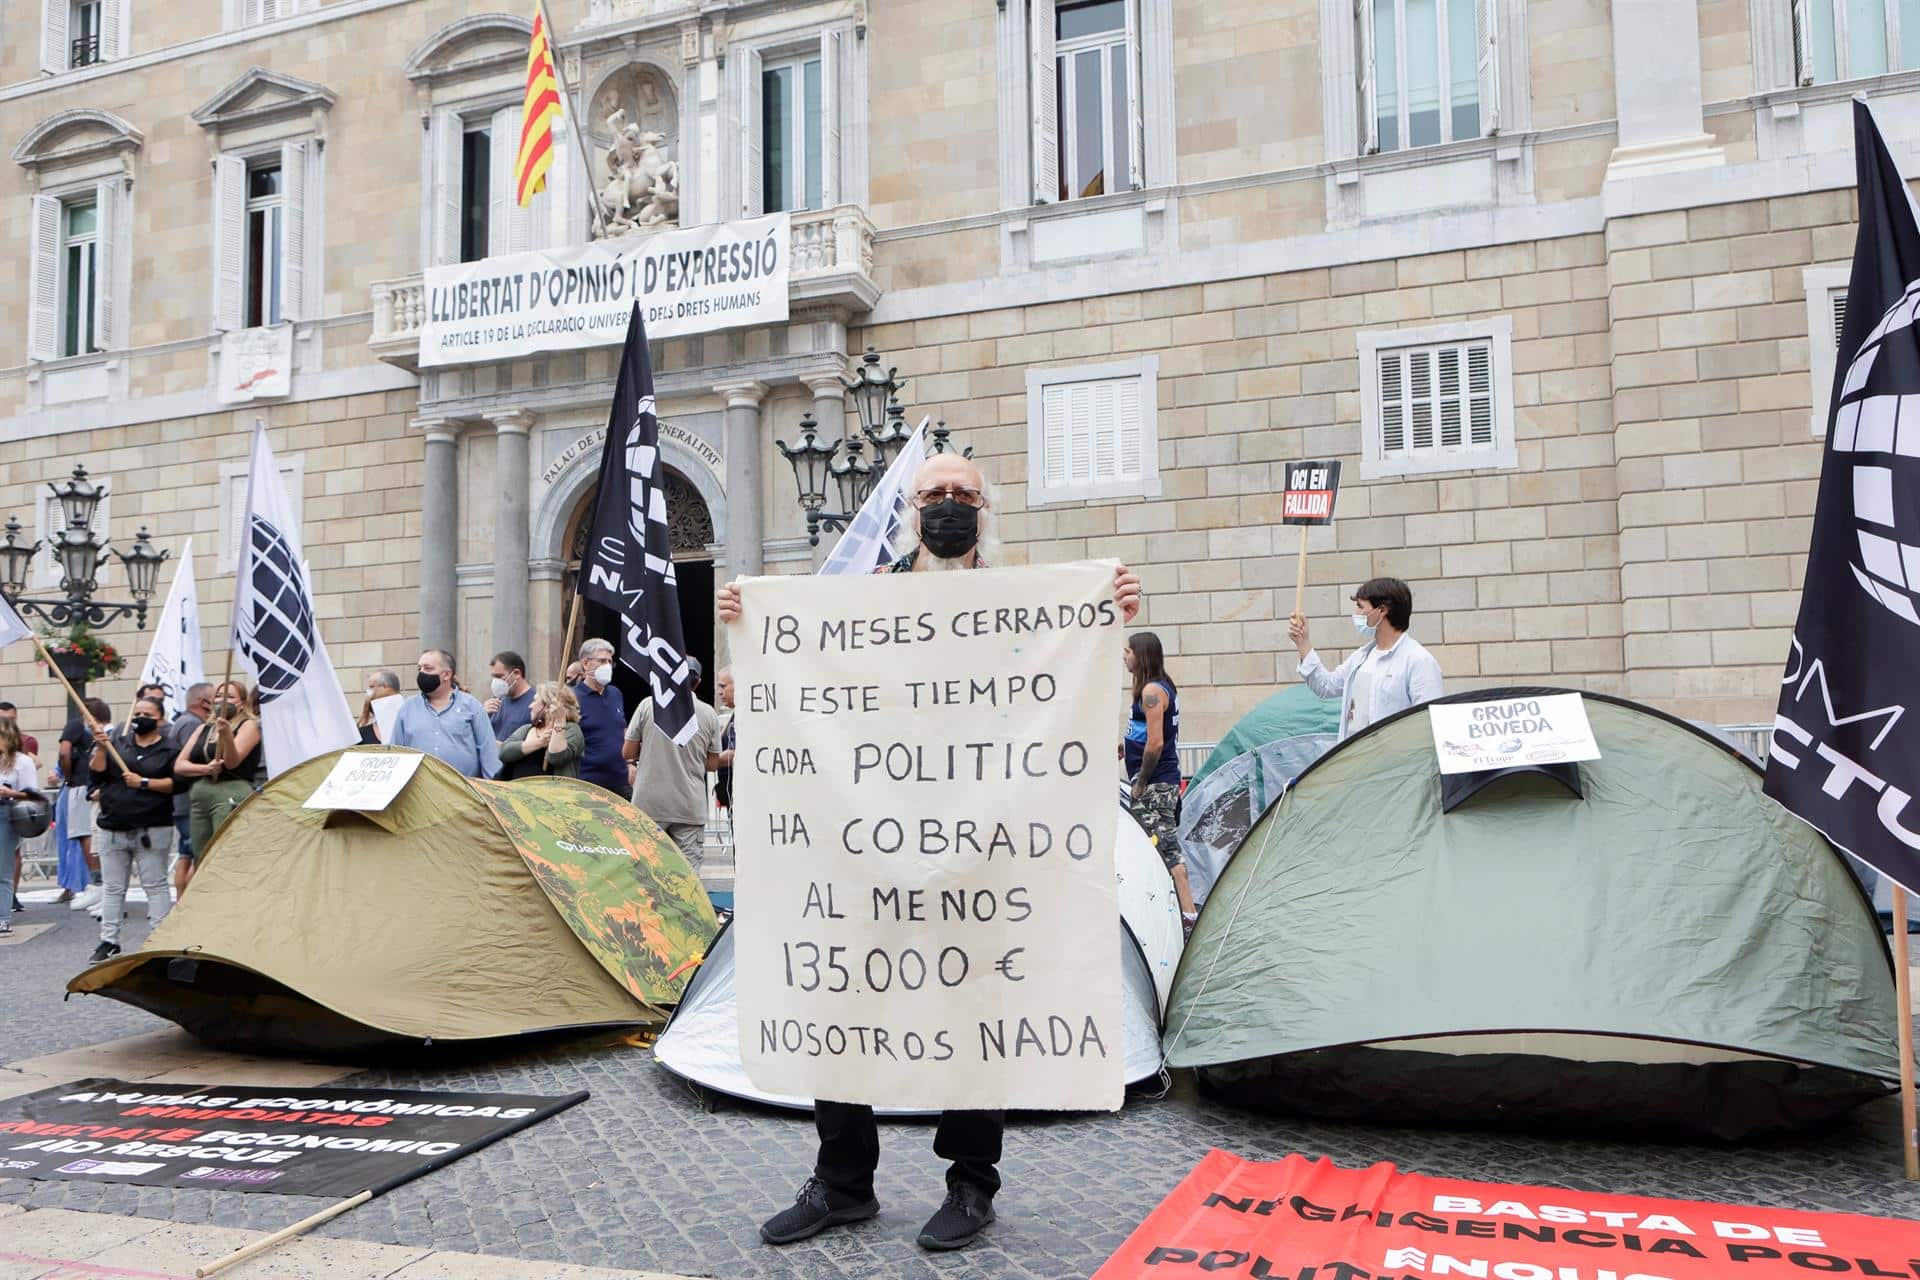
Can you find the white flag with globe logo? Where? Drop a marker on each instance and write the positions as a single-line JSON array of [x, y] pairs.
[[302, 710]]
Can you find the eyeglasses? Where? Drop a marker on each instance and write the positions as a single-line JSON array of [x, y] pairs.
[[965, 495]]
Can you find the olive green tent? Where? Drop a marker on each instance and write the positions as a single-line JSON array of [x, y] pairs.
[[1643, 943], [462, 911]]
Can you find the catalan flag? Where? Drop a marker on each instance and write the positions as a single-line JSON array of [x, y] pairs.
[[537, 115]]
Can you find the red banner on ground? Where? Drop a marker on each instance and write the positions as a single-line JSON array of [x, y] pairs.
[[1300, 1219]]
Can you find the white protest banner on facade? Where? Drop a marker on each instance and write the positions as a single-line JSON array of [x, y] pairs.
[[1472, 736], [925, 823], [365, 781], [720, 276]]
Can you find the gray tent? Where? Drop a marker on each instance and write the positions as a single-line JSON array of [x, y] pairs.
[[1643, 942]]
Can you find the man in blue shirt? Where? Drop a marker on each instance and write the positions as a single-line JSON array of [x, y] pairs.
[[445, 722], [603, 719]]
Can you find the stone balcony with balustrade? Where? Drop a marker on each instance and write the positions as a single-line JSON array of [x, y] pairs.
[[832, 268]]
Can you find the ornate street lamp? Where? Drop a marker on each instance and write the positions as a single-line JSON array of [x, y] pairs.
[[871, 390], [79, 552], [811, 462], [882, 428], [890, 437]]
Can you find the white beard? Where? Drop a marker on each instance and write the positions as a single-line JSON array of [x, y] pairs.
[[932, 563]]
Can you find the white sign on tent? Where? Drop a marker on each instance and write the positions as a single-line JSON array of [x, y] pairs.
[[926, 842], [365, 781], [1470, 737]]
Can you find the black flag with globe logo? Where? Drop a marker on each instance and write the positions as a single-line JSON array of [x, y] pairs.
[[277, 629], [1845, 751]]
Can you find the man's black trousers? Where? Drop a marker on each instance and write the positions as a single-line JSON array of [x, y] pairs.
[[850, 1148]]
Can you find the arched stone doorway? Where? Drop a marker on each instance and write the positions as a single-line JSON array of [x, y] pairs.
[[690, 527]]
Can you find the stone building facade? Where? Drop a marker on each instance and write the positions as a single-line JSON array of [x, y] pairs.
[[1555, 279]]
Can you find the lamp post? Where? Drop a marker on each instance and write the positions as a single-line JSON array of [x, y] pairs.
[[80, 553], [883, 429]]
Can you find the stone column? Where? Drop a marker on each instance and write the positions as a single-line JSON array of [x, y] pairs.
[[510, 533], [830, 411], [1656, 67], [830, 406], [745, 530], [439, 533]]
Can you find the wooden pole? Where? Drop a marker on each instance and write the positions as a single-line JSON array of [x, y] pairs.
[[78, 702], [573, 625], [574, 125], [265, 1243], [1903, 996], [1300, 576]]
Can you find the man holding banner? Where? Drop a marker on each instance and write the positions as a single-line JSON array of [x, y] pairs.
[[1388, 673], [950, 510]]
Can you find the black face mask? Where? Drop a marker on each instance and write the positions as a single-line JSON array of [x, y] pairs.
[[949, 529], [145, 724], [427, 681]]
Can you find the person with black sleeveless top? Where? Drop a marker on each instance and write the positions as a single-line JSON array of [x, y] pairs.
[[1152, 753], [228, 761]]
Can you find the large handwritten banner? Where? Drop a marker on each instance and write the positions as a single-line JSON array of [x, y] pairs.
[[924, 829]]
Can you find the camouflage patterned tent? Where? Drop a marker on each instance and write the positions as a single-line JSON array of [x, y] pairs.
[[463, 911]]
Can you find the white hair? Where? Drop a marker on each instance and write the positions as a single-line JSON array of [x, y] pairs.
[[591, 647]]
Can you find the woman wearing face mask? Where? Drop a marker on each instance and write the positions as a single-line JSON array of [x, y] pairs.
[[136, 817], [225, 758], [551, 744], [1389, 672]]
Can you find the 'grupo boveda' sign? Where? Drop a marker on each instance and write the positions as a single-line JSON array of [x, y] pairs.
[[1502, 732], [720, 276]]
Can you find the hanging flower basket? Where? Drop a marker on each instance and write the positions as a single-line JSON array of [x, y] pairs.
[[82, 655]]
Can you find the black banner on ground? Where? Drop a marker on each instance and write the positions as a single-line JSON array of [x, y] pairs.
[[317, 1141]]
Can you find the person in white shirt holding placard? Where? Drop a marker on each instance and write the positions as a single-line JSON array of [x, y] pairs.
[[1388, 673]]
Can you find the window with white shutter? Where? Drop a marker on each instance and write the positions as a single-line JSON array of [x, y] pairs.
[[233, 501], [1429, 71], [264, 206], [1092, 432], [74, 249], [1826, 293], [1853, 39], [1438, 399], [793, 102]]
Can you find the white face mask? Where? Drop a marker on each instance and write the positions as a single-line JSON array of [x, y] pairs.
[[602, 674], [1364, 627], [499, 687]]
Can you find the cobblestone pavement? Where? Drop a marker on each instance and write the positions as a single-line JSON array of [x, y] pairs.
[[641, 1176]]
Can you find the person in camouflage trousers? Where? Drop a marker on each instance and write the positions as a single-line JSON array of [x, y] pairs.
[[1152, 754]]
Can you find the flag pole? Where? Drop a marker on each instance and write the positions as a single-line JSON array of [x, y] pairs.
[[573, 122], [1903, 997]]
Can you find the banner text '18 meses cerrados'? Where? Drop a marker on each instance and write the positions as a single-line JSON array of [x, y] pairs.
[[923, 788]]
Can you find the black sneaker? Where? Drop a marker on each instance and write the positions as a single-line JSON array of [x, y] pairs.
[[813, 1212], [18, 905], [967, 1213], [105, 951]]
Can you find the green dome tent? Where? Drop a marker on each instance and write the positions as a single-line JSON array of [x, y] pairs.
[[1665, 951], [464, 910], [1259, 756], [1291, 713]]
